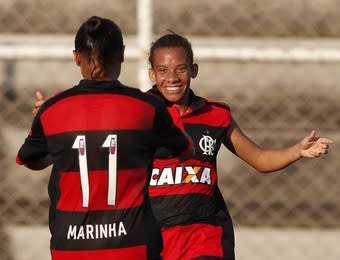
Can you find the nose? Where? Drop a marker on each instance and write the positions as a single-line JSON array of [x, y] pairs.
[[172, 76]]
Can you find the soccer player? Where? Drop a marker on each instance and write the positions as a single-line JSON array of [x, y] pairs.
[[100, 137], [184, 195]]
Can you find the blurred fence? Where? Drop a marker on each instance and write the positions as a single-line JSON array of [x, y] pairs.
[[267, 18], [275, 101]]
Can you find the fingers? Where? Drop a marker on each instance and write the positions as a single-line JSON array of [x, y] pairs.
[[312, 135], [37, 104], [35, 111], [39, 96], [315, 154], [323, 140], [322, 147], [316, 146], [309, 140]]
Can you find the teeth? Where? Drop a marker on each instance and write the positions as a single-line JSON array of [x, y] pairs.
[[172, 88]]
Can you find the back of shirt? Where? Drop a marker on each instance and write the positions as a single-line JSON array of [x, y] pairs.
[[102, 137]]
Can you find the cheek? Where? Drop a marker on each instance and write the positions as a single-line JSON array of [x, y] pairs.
[[159, 80]]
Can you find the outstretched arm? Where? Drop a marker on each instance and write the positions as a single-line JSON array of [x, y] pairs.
[[269, 160]]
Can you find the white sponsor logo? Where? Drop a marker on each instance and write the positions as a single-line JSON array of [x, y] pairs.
[[96, 231], [180, 175], [207, 144]]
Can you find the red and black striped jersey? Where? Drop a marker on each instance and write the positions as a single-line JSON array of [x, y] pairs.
[[101, 137], [186, 192]]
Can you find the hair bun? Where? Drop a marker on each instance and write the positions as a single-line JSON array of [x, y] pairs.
[[93, 26]]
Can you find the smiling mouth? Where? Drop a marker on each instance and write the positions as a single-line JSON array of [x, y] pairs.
[[173, 89]]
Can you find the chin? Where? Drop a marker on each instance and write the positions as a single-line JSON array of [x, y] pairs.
[[172, 99]]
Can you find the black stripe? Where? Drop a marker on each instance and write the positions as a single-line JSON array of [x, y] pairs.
[[185, 209], [134, 149], [132, 219]]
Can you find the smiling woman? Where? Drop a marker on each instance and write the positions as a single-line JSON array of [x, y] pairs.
[[185, 196], [173, 78]]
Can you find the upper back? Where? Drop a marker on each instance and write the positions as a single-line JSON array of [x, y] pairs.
[[95, 112]]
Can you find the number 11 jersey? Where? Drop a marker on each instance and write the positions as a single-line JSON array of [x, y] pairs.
[[101, 137]]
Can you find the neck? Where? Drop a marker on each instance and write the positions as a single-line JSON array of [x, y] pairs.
[[98, 73], [181, 108], [183, 104]]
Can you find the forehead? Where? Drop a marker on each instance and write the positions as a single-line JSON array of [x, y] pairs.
[[170, 55]]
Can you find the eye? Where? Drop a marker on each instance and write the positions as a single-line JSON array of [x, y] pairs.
[[162, 70], [182, 69]]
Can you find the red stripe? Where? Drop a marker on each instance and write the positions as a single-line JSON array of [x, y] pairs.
[[97, 112], [18, 161], [211, 116], [192, 241], [182, 189], [173, 162], [136, 252], [216, 117], [130, 190]]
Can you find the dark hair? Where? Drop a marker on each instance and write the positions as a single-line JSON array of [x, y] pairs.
[[172, 40], [99, 38]]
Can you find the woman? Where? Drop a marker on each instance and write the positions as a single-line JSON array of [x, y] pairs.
[[100, 137], [184, 195]]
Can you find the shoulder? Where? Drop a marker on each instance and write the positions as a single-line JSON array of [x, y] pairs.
[[218, 104], [54, 99], [216, 107], [146, 96]]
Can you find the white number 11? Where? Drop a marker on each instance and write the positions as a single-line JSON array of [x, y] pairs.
[[111, 143]]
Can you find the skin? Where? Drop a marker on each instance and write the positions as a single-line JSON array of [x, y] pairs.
[[172, 73], [89, 69]]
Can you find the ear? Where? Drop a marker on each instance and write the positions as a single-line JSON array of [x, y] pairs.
[[152, 75], [194, 71], [76, 57], [121, 54]]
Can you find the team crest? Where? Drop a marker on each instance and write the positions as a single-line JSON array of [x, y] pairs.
[[207, 145]]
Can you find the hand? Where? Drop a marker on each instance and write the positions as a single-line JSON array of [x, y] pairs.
[[313, 147], [40, 100]]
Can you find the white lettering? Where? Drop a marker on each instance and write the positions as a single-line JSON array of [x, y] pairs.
[[103, 231], [72, 231], [178, 175], [205, 177], [181, 175], [166, 177], [81, 234], [154, 177], [121, 230], [97, 231], [112, 230], [89, 231]]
